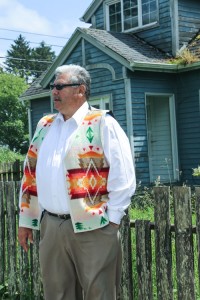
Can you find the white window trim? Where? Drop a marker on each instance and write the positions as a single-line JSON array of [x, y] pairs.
[[101, 100], [140, 26]]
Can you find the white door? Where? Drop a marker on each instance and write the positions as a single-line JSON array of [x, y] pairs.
[[162, 138]]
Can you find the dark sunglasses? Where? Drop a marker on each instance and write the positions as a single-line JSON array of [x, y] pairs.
[[59, 87]]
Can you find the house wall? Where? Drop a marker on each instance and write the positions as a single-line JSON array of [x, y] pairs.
[[189, 19], [164, 34], [99, 18], [141, 84], [161, 35], [188, 124], [38, 108]]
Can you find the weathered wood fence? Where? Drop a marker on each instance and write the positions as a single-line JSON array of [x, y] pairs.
[[20, 275], [11, 171]]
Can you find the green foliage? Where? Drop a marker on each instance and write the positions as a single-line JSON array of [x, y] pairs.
[[20, 49], [13, 113], [27, 62], [143, 198], [39, 54], [7, 155], [196, 171]]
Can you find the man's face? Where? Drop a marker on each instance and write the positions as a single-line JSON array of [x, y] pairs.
[[67, 99]]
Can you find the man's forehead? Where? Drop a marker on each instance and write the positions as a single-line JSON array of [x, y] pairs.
[[62, 77]]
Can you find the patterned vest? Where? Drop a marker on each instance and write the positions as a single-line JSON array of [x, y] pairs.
[[86, 176], [87, 173]]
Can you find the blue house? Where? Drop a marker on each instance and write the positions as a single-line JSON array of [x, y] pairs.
[[130, 52]]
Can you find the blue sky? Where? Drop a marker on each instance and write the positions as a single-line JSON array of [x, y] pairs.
[[58, 18]]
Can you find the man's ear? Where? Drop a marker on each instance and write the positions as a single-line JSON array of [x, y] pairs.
[[82, 90]]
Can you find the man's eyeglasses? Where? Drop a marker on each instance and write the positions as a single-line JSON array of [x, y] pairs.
[[59, 87]]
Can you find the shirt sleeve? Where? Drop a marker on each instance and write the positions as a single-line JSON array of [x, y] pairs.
[[121, 178]]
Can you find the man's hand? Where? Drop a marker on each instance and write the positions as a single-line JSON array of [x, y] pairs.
[[25, 234]]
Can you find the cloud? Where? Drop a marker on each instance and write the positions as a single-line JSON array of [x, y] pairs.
[[16, 16]]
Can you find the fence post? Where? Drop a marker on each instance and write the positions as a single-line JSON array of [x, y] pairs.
[[126, 289], [37, 290], [11, 236], [184, 243], [144, 259], [2, 233], [163, 249], [197, 193]]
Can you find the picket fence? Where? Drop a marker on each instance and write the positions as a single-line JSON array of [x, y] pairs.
[[20, 274]]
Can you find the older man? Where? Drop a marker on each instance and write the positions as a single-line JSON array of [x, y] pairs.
[[79, 175]]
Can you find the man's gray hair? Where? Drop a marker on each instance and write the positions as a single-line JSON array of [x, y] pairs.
[[77, 74]]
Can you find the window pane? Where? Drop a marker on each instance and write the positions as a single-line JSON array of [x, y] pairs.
[[134, 11], [149, 11], [107, 106], [115, 16], [130, 13]]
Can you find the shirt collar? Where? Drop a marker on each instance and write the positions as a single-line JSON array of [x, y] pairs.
[[78, 115]]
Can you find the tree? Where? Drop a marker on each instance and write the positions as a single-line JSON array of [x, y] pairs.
[[13, 114], [42, 57], [27, 62], [18, 58]]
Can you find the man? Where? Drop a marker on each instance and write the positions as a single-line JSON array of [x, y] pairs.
[[83, 183]]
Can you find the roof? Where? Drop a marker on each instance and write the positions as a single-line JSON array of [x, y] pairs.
[[35, 89], [128, 46]]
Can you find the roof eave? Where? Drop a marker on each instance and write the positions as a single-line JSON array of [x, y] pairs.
[[36, 96], [90, 11], [164, 67]]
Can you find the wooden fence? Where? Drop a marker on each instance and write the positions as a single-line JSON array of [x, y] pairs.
[[11, 171], [20, 275]]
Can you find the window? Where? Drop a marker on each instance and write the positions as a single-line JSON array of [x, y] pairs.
[[124, 15], [100, 102]]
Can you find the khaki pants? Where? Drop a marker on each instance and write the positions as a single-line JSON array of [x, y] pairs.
[[78, 266]]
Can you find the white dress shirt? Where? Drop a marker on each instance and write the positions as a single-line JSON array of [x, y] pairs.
[[51, 177]]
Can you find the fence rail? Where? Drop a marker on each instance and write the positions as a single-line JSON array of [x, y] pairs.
[[20, 275]]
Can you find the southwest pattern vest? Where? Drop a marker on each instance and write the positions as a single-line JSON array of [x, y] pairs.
[[86, 176]]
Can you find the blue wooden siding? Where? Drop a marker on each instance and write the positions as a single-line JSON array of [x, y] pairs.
[[93, 55], [160, 36], [189, 20], [99, 18], [38, 108], [142, 83], [188, 123], [76, 56]]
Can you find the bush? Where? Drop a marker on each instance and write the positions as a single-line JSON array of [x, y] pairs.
[[7, 155]]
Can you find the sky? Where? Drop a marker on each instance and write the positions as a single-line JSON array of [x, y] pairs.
[[37, 20]]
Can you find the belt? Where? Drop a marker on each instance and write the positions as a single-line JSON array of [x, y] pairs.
[[64, 217]]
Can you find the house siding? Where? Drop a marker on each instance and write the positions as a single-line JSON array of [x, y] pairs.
[[99, 18], [189, 20], [161, 35], [188, 124], [143, 83], [38, 109]]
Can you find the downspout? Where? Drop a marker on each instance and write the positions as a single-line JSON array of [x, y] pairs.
[[129, 117]]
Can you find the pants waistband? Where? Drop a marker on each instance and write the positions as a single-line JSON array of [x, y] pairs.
[[64, 217]]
